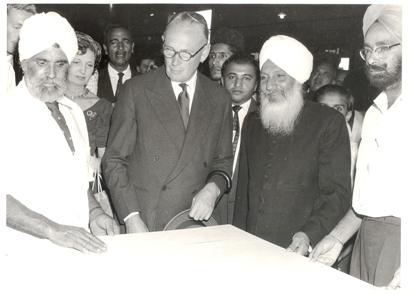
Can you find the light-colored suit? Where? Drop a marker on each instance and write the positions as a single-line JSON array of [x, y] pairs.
[[151, 164]]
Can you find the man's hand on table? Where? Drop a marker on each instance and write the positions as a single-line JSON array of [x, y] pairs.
[[103, 224], [204, 202], [135, 224], [75, 237], [300, 244], [327, 250]]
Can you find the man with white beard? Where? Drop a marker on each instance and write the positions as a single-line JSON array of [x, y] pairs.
[[294, 170]]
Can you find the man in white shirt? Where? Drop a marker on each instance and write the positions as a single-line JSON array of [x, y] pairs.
[[46, 154], [381, 185], [119, 46], [240, 76], [16, 15]]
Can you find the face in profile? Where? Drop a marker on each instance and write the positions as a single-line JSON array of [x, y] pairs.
[[184, 37], [119, 48], [323, 74], [241, 81], [15, 19], [218, 54], [336, 101], [45, 74], [81, 68], [382, 69]]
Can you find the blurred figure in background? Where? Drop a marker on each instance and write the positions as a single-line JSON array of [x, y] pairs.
[[224, 43]]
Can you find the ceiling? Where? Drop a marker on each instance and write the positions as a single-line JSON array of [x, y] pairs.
[[319, 27]]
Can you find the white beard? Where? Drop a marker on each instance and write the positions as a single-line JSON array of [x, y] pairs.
[[279, 111]]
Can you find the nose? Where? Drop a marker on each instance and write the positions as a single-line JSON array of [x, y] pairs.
[[270, 83], [51, 71], [120, 45], [372, 58], [237, 82], [175, 59], [83, 68]]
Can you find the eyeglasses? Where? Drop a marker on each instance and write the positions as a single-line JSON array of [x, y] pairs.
[[170, 52], [380, 50]]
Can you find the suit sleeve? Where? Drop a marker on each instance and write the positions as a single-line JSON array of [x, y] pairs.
[[223, 157], [335, 195], [120, 145], [241, 207]]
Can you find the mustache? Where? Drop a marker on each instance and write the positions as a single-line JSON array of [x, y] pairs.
[[375, 67]]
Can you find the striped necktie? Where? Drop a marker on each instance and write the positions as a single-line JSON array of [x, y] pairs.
[[236, 127]]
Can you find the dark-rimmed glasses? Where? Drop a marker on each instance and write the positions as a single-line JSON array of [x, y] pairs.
[[379, 50], [170, 52]]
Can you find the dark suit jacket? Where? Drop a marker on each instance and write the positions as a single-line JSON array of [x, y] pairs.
[[299, 182], [104, 84], [224, 209], [151, 164]]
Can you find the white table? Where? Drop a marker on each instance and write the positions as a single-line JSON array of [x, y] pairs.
[[220, 259]]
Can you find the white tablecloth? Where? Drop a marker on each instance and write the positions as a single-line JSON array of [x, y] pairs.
[[220, 259]]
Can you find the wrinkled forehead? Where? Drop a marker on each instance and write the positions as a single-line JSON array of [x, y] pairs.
[[378, 35]]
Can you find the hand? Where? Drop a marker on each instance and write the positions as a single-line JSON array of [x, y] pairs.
[[204, 202], [135, 224], [103, 224], [75, 237], [327, 250], [300, 243]]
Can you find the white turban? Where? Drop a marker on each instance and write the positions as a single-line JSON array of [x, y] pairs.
[[41, 31], [389, 16], [290, 55]]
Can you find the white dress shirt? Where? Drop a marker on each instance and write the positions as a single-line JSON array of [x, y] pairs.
[[191, 84], [113, 73], [241, 115], [382, 176], [38, 166]]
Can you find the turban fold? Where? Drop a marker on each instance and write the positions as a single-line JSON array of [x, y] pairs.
[[389, 16], [41, 31], [290, 55]]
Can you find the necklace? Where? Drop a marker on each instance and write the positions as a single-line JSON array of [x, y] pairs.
[[82, 95]]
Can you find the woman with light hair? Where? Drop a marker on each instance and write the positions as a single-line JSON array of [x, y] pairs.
[[97, 111]]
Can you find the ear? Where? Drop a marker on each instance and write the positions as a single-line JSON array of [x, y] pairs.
[[205, 52], [105, 49], [23, 64], [132, 47]]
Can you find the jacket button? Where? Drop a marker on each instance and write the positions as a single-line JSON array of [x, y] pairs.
[[156, 158], [164, 188]]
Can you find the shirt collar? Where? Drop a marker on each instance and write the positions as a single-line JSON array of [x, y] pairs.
[[191, 83], [245, 106], [112, 71], [381, 102]]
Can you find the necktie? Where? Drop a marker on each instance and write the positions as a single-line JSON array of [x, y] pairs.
[[119, 83], [183, 101], [236, 128], [59, 118]]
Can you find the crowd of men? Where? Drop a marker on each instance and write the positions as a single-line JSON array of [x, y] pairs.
[[268, 145]]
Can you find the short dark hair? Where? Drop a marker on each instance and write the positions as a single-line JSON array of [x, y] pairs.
[[231, 37], [242, 59], [30, 8], [335, 89], [112, 26], [192, 17]]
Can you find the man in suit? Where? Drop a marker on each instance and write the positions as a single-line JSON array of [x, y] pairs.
[[294, 170], [240, 76], [169, 147], [119, 46]]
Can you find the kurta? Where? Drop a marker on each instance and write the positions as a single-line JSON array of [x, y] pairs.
[[299, 182]]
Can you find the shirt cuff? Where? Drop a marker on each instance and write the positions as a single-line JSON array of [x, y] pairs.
[[130, 215]]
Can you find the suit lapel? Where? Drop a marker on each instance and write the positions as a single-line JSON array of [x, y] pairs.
[[162, 98], [201, 114], [106, 88]]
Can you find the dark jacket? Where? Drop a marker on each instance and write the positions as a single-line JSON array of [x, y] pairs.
[[299, 182]]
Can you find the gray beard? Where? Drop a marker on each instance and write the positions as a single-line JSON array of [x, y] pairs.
[[279, 118]]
